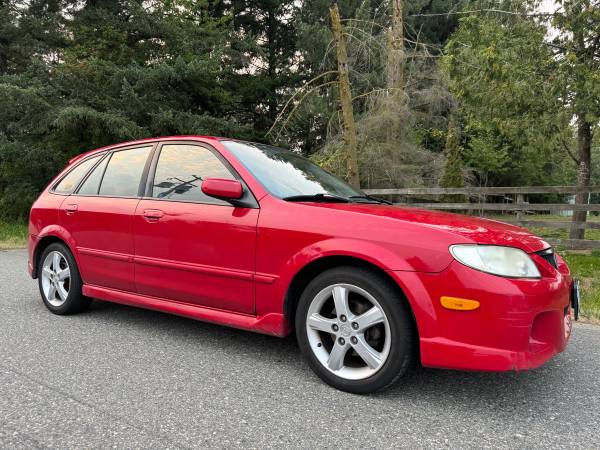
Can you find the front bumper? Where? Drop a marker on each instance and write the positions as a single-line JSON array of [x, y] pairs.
[[519, 325]]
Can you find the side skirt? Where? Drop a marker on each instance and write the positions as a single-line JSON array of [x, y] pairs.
[[273, 324]]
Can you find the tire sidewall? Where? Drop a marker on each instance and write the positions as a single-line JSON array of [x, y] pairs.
[[394, 307]]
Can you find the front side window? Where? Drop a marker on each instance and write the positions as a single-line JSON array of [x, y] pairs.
[[68, 184], [181, 169], [124, 172], [286, 174]]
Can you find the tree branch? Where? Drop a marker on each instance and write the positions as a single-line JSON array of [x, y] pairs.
[[299, 91], [564, 144], [289, 116]]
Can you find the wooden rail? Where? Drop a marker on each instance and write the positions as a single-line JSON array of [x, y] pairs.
[[485, 190], [512, 200], [506, 206]]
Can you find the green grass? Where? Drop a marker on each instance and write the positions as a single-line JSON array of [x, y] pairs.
[[554, 233], [13, 235], [586, 267], [560, 233]]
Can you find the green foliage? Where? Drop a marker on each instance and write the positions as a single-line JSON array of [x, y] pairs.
[[577, 46], [502, 73], [109, 71], [520, 94], [76, 75]]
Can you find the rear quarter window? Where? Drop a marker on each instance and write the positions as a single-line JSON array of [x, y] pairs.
[[70, 181]]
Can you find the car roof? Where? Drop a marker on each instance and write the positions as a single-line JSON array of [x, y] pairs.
[[148, 140]]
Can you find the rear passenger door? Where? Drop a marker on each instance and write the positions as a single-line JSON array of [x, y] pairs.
[[99, 217], [190, 247]]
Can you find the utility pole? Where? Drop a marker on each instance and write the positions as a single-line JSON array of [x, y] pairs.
[[395, 49], [345, 98]]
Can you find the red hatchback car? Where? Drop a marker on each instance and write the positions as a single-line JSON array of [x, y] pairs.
[[255, 237]]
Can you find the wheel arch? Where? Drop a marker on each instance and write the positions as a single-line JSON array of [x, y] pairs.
[[51, 236], [308, 272]]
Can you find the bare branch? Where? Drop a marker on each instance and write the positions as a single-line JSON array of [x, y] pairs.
[[299, 91], [296, 106], [490, 10]]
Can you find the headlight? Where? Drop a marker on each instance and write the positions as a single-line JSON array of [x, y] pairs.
[[497, 260]]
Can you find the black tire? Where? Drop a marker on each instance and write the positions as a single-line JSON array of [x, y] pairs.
[[75, 301], [399, 316]]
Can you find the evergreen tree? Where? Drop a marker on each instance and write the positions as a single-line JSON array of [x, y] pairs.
[[453, 175], [266, 36], [120, 70]]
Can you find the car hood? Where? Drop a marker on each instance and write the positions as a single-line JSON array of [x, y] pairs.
[[474, 229]]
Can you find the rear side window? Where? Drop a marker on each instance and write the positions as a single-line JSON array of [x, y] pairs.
[[92, 183], [68, 184], [124, 172], [181, 169]]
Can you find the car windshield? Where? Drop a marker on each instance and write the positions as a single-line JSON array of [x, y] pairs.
[[288, 175]]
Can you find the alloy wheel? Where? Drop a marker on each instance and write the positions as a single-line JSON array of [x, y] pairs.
[[348, 331], [56, 278]]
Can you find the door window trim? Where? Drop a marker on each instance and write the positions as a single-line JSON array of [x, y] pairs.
[[248, 199]]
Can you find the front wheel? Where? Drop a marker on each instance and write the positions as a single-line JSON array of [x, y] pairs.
[[355, 329]]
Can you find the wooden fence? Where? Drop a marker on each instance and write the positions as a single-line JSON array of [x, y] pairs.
[[511, 200]]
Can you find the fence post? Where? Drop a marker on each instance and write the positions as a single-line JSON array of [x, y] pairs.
[[519, 200]]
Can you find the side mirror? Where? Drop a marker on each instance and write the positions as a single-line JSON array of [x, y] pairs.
[[222, 188]]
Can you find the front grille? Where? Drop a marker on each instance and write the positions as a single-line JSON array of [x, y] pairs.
[[549, 256]]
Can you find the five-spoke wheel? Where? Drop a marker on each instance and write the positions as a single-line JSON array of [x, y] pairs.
[[56, 278], [355, 328], [349, 331]]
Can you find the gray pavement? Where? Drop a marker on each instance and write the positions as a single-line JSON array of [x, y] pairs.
[[120, 377]]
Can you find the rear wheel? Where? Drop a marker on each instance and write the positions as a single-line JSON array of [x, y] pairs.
[[355, 329], [59, 281]]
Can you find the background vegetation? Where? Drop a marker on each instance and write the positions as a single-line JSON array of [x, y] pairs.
[[492, 92]]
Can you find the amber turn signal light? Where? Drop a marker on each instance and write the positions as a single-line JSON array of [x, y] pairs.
[[459, 304]]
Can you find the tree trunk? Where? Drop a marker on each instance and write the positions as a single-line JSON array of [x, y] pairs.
[[584, 146], [271, 62], [345, 98], [395, 49]]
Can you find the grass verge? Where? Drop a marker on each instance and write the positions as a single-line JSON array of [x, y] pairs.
[[13, 235], [586, 267]]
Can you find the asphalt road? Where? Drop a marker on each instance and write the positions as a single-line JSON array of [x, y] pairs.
[[129, 378]]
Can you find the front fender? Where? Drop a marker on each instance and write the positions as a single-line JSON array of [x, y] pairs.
[[385, 257], [367, 251], [271, 295]]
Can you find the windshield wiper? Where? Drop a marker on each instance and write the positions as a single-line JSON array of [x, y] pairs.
[[369, 199], [321, 197]]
